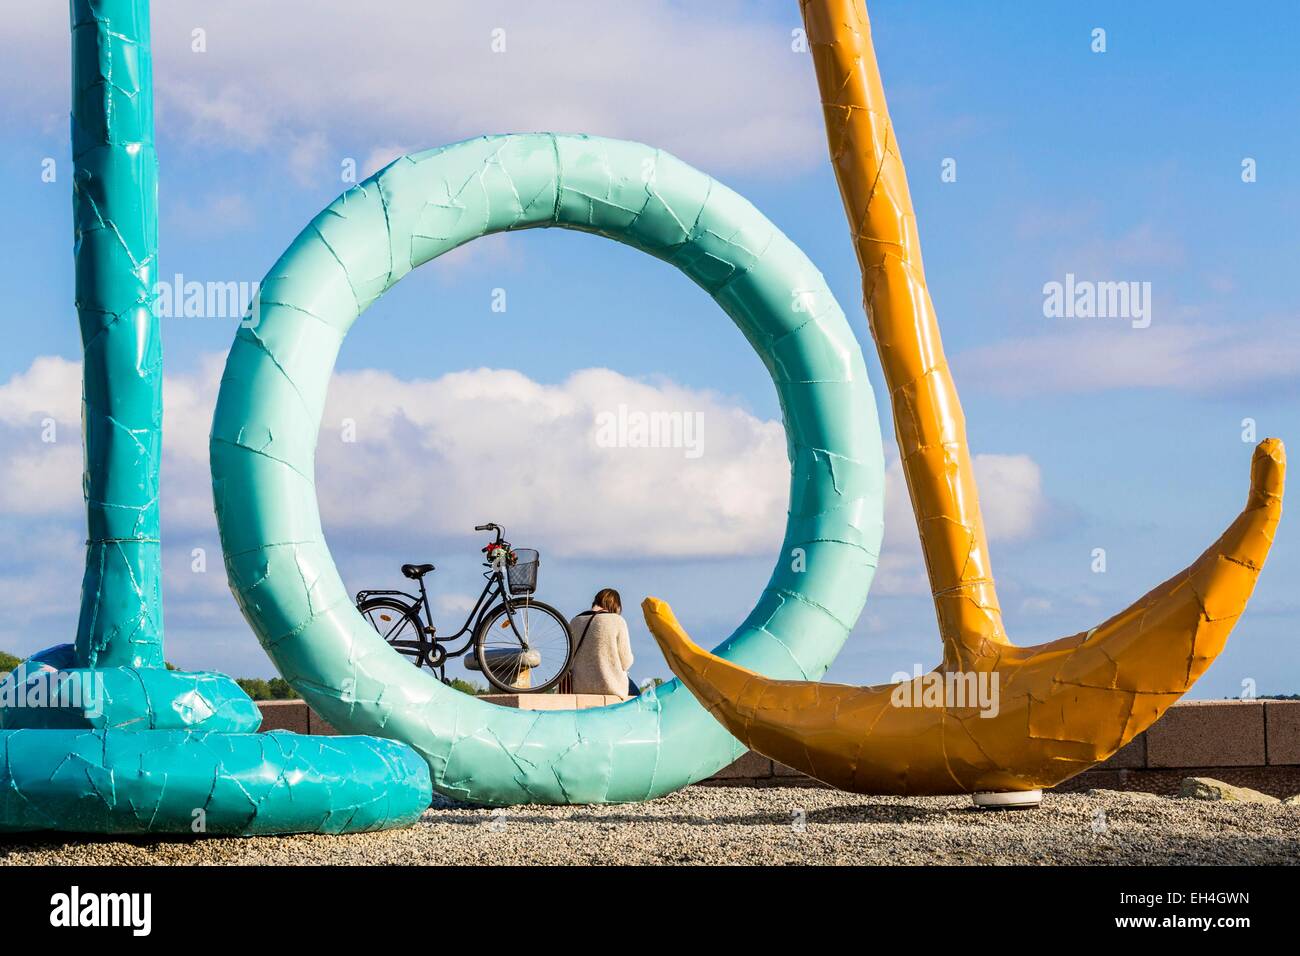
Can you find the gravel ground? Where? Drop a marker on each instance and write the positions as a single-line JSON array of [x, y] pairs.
[[742, 825]]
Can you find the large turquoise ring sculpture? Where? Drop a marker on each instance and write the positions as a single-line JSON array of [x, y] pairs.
[[269, 414]]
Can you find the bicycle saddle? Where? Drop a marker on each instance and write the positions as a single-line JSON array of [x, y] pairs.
[[416, 571]]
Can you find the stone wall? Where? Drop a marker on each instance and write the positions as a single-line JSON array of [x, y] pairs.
[[1253, 743]]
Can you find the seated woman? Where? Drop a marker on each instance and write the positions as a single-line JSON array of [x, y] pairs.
[[602, 649]]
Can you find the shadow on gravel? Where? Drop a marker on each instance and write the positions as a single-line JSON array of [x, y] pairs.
[[53, 842], [886, 813], [864, 813], [749, 819]]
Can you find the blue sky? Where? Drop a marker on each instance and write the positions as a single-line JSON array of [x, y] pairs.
[[1117, 166]]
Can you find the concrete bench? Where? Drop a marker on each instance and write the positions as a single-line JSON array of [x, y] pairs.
[[552, 701]]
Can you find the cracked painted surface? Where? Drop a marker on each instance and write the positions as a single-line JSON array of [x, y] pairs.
[[115, 217], [132, 747], [269, 410], [1063, 706], [215, 783], [121, 698]]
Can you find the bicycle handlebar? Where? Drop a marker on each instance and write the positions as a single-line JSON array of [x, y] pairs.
[[492, 526]]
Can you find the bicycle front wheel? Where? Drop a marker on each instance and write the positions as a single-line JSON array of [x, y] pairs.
[[524, 649]]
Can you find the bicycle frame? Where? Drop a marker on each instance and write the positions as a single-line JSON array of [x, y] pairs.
[[498, 586]]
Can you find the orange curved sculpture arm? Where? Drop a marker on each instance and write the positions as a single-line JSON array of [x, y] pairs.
[[993, 716], [928, 419], [1057, 709]]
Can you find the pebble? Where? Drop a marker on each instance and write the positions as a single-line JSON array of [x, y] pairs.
[[749, 825]]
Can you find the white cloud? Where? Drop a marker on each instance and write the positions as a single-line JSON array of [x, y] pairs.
[[50, 388], [1011, 501], [456, 451], [42, 478], [491, 444], [40, 473], [1093, 355], [308, 156], [494, 445], [462, 449], [432, 459], [712, 83], [447, 604], [1011, 495], [381, 156]]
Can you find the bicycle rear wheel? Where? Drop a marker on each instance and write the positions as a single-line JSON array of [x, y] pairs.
[[399, 624], [530, 655]]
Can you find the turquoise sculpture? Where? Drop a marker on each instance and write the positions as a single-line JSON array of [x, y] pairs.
[[269, 414], [98, 736]]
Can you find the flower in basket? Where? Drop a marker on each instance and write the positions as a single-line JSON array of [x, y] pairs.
[[500, 554]]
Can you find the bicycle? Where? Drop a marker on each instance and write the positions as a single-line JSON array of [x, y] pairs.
[[520, 645]]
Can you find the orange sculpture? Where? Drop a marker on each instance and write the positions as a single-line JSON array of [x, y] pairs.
[[992, 716]]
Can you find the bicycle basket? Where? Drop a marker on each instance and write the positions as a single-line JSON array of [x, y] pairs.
[[522, 575]]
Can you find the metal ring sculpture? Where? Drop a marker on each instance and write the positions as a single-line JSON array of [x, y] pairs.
[[269, 412]]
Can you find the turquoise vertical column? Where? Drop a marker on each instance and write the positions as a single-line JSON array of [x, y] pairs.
[[115, 202], [136, 748]]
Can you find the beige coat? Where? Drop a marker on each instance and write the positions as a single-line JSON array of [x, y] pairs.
[[604, 657]]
